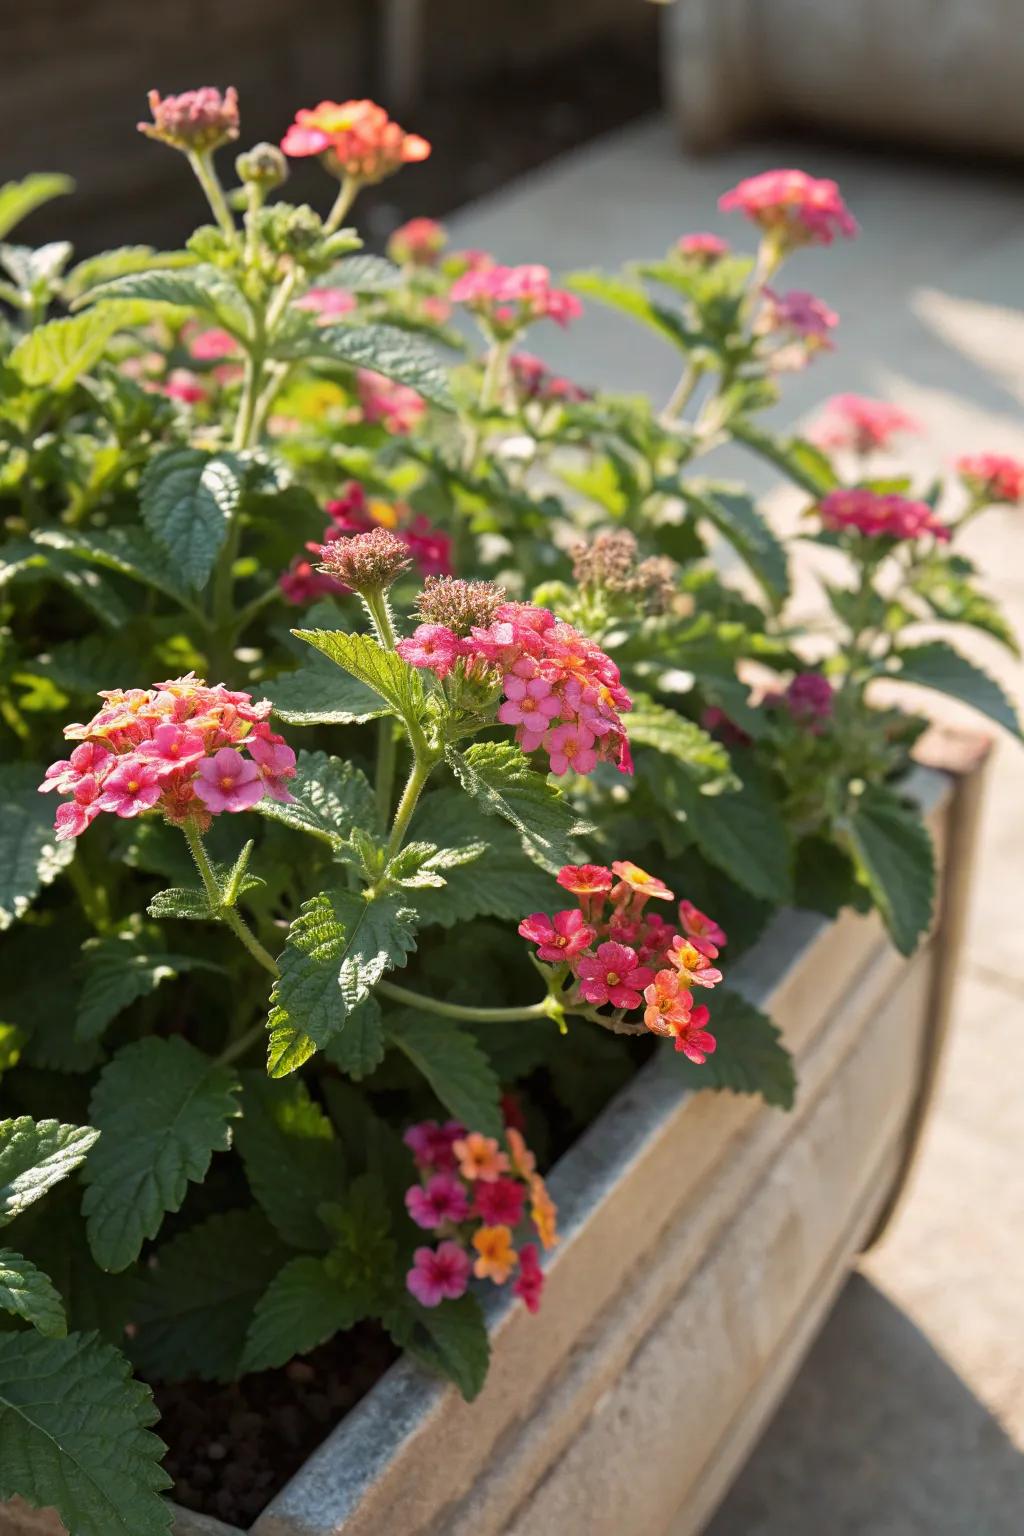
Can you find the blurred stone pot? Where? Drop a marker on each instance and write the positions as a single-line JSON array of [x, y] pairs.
[[939, 72], [705, 1237]]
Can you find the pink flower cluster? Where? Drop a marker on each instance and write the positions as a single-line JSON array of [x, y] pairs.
[[533, 380], [328, 304], [396, 407], [194, 122], [808, 699], [628, 959], [563, 694], [994, 476], [880, 515], [355, 513], [475, 1195], [177, 747], [795, 208], [417, 243], [358, 138], [702, 247], [508, 298], [861, 424], [800, 322]]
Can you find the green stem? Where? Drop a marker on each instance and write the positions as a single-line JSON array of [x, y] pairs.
[[202, 164], [379, 610], [342, 203], [494, 375], [422, 768], [541, 1010], [239, 927], [682, 394], [239, 1047]]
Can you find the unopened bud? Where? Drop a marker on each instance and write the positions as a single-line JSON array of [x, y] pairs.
[[366, 562], [264, 166], [459, 605]]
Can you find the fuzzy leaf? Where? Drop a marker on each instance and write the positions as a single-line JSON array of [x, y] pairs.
[[391, 678], [742, 833], [385, 349], [317, 694], [364, 273], [653, 725], [358, 1047], [936, 665], [163, 1108], [188, 498], [502, 783], [20, 198], [800, 460], [56, 355], [738, 520], [952, 596], [331, 797], [74, 1434], [449, 1340], [182, 901], [128, 551], [27, 1292], [305, 1305], [118, 971], [197, 1297], [198, 286], [894, 854], [292, 1158], [34, 1155], [454, 1066], [750, 1056], [30, 855], [119, 262], [505, 883], [631, 299]]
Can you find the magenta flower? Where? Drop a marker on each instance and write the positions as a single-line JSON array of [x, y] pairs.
[[130, 788], [276, 763], [500, 1203], [442, 1199], [433, 646], [558, 938], [228, 782], [529, 1283], [431, 1144], [438, 1274], [613, 976], [87, 759], [327, 304], [173, 746]]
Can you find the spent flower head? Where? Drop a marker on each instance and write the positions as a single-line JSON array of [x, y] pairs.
[[459, 605], [195, 122], [366, 562]]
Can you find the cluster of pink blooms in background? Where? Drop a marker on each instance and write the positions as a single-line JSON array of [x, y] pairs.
[[861, 424], [475, 1196], [880, 515], [801, 322], [352, 514], [994, 476], [629, 959], [358, 138], [327, 304], [703, 247], [417, 243], [196, 121], [533, 380], [508, 298], [563, 694], [395, 407], [794, 208], [179, 747], [808, 699]]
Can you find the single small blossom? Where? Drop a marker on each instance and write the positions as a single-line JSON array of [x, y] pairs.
[[801, 322], [395, 407], [438, 1274], [229, 782], [530, 703], [877, 514], [211, 345], [692, 959], [570, 745], [357, 138], [496, 1257], [480, 1157], [632, 879], [543, 1212], [529, 1283], [195, 121], [795, 208], [417, 243], [558, 938], [432, 1144], [172, 747], [612, 975], [585, 879], [276, 764], [440, 1201], [432, 647], [861, 424], [129, 789], [703, 247], [697, 925], [993, 477], [500, 1203]]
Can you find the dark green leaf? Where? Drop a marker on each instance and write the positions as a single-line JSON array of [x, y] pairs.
[[936, 665], [894, 853], [318, 694], [188, 498], [129, 551], [305, 1305], [181, 901], [30, 855], [358, 1047], [742, 833], [386, 349], [454, 1066], [27, 1292], [800, 460], [331, 798], [631, 299], [292, 1159], [506, 883], [198, 286], [450, 1340], [502, 783], [737, 519], [118, 971], [651, 724]]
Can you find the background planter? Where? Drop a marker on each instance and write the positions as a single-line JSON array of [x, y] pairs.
[[705, 1237]]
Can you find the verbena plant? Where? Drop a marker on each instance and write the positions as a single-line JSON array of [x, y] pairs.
[[281, 1049]]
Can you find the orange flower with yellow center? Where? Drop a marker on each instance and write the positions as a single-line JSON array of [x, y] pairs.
[[480, 1157], [544, 1212], [496, 1256], [523, 1161]]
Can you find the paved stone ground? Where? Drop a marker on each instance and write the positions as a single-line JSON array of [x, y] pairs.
[[907, 1419]]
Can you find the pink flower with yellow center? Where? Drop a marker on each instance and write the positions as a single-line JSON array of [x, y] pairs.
[[276, 764], [529, 703], [480, 1157], [496, 1257], [229, 782], [438, 1274], [358, 138], [130, 788], [558, 938], [612, 975], [396, 407], [693, 963], [633, 879], [433, 647], [173, 746], [697, 925]]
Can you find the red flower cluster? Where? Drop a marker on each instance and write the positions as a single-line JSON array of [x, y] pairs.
[[533, 380], [358, 137], [474, 1194], [626, 958], [880, 516], [796, 208], [177, 747], [396, 407], [194, 122], [702, 247], [862, 424], [509, 298], [353, 513], [994, 476], [563, 694]]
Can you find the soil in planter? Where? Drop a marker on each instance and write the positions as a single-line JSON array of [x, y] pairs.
[[233, 1447]]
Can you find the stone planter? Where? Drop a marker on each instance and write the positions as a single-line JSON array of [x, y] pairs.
[[940, 72], [705, 1238]]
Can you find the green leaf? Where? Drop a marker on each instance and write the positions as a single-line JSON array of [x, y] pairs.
[[55, 355], [198, 1294], [936, 665], [738, 520], [363, 274], [749, 1057], [894, 854], [34, 1155], [30, 855], [182, 901], [128, 551], [391, 678], [653, 725], [506, 883], [316, 694], [358, 1047], [742, 833], [27, 1292], [631, 299], [118, 971], [450, 1340], [331, 797], [951, 595], [117, 263], [502, 783], [292, 1159], [338, 948], [386, 349], [454, 1066], [20, 198], [188, 498], [800, 460], [74, 1434], [305, 1305], [163, 1108], [199, 286]]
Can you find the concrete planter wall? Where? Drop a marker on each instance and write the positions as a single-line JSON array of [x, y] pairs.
[[942, 72], [704, 1240]]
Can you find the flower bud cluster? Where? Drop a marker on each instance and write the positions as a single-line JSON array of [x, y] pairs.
[[609, 563], [794, 208], [507, 299], [352, 514], [195, 122]]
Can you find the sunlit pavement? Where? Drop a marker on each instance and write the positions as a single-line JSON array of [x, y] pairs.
[[908, 1417]]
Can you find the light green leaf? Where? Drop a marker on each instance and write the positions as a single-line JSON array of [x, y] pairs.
[[363, 273], [292, 1158], [742, 833], [181, 901], [119, 262], [118, 971], [164, 1108], [502, 783], [632, 299], [27, 1292], [331, 797], [454, 1066], [317, 694], [200, 287], [386, 349], [20, 198], [391, 678], [651, 724], [798, 459], [893, 851], [30, 855], [450, 1340], [936, 665], [305, 1305], [56, 355], [188, 498], [34, 1155], [74, 1434], [749, 1056], [738, 520]]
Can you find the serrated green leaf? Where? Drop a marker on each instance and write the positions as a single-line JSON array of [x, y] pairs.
[[30, 855], [198, 1294], [363, 658], [936, 665], [741, 832], [363, 273], [56, 355], [397, 354], [502, 783], [654, 725], [454, 1066], [188, 498], [34, 1155], [20, 198], [118, 971], [631, 299], [163, 1108], [118, 263], [506, 883], [74, 1434], [317, 694], [128, 551], [738, 520], [200, 286], [331, 797], [449, 1340], [292, 1158], [894, 854], [305, 1305], [80, 666], [181, 901], [26, 1292], [749, 1056], [338, 948], [358, 1047]]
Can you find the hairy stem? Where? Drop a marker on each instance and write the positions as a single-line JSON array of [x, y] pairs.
[[384, 779], [202, 164], [239, 927], [422, 768], [541, 1010], [347, 195], [682, 394]]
